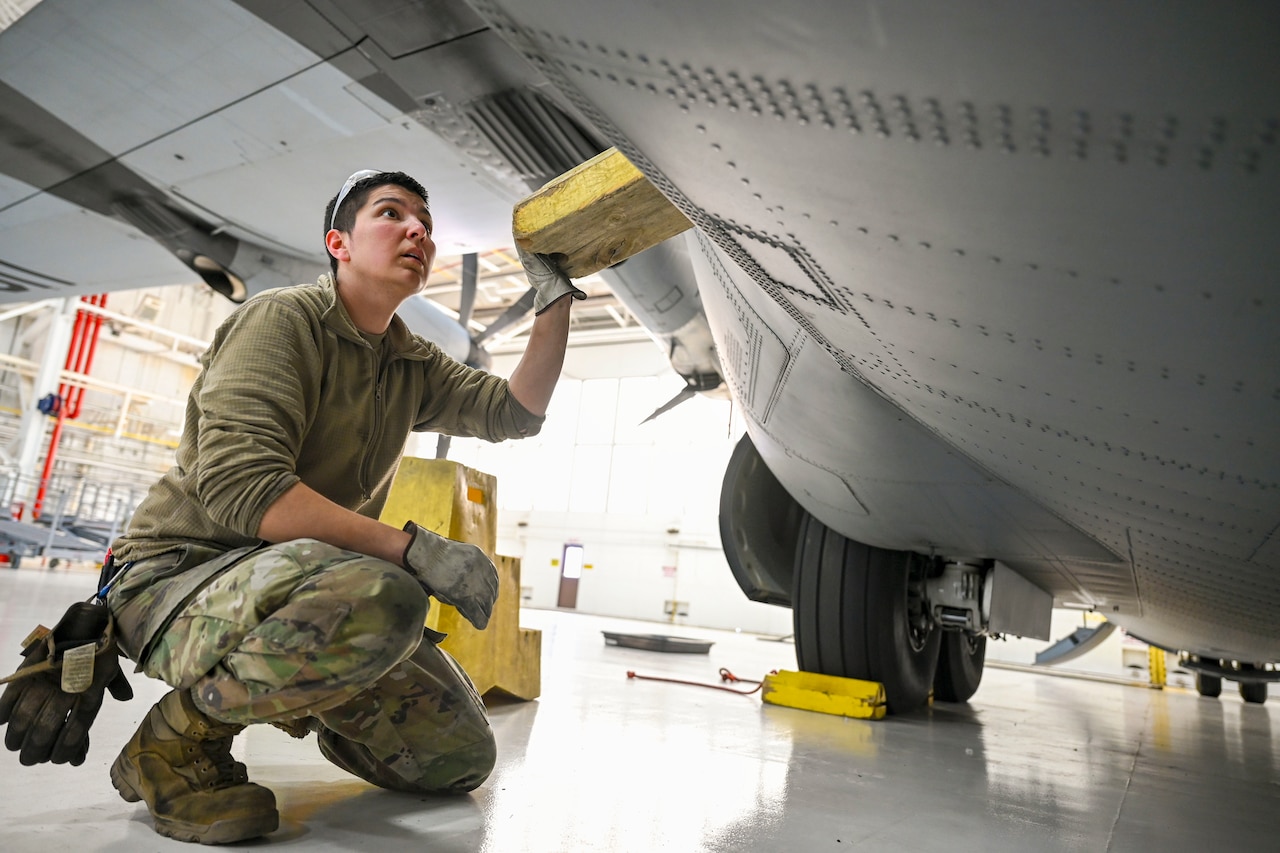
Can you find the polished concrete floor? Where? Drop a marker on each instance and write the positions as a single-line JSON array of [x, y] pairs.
[[604, 763]]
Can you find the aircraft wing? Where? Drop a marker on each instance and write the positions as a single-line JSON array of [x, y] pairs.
[[152, 145], [149, 144]]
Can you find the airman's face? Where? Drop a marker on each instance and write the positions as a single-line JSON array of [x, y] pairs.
[[390, 242]]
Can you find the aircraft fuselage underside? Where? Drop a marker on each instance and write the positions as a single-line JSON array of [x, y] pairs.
[[985, 284]]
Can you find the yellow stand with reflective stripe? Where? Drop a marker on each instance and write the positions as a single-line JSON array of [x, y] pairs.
[[461, 503], [827, 694], [1156, 667]]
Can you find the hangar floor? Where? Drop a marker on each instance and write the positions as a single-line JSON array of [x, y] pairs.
[[604, 763]]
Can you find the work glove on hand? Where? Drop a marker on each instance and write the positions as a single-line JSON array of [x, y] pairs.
[[54, 697], [547, 280], [457, 573]]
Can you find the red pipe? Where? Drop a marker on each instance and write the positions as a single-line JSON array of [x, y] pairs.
[[89, 345], [73, 351], [80, 351], [38, 506]]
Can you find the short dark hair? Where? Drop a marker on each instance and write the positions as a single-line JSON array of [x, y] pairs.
[[359, 194]]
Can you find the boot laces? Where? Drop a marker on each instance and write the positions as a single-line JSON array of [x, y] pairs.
[[218, 769]]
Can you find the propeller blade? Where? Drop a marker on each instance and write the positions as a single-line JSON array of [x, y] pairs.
[[685, 393], [510, 317], [467, 296]]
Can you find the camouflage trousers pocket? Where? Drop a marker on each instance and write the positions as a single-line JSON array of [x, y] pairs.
[[153, 590], [264, 657]]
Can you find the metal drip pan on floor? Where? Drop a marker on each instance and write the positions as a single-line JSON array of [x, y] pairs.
[[658, 643]]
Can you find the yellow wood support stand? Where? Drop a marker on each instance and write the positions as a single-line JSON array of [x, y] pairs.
[[827, 694], [461, 503]]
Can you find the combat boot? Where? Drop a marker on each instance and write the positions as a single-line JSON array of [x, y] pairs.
[[179, 761]]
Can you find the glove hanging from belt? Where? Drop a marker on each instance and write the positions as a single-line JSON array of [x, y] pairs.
[[52, 699]]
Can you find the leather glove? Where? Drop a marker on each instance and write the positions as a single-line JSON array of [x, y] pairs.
[[54, 697], [457, 573], [547, 279]]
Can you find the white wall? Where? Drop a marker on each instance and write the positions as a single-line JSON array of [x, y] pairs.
[[598, 477], [630, 562]]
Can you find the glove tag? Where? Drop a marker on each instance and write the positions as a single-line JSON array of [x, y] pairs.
[[37, 635], [77, 668]]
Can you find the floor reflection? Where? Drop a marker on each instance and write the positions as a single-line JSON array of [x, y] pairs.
[[612, 775], [604, 763]]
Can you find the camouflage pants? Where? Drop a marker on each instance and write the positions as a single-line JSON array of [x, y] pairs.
[[305, 630]]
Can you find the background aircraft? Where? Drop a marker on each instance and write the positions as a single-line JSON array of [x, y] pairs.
[[993, 284]]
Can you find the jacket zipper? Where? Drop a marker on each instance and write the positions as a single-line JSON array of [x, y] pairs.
[[375, 437]]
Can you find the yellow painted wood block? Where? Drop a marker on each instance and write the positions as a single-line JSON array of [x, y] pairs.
[[446, 498], [827, 694], [503, 657], [596, 215], [461, 503]]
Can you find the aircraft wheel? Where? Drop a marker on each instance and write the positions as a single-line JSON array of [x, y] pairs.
[[1253, 691], [860, 612], [1208, 685], [959, 666]]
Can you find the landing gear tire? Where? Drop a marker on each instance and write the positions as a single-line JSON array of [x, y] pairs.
[[1253, 691], [1208, 685], [860, 612], [960, 663]]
